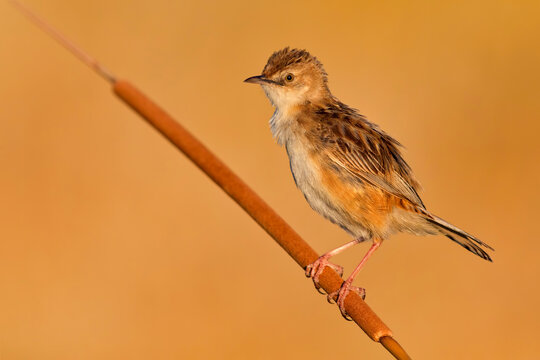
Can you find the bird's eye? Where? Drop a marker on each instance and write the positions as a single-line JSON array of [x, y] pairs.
[[289, 77]]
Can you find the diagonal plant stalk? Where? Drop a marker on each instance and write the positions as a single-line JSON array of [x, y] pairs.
[[257, 208], [237, 189]]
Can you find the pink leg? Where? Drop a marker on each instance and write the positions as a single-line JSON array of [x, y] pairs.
[[315, 269], [347, 287]]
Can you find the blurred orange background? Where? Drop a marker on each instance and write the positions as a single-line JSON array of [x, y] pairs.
[[113, 245]]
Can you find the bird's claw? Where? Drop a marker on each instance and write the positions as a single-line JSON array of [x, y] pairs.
[[315, 269], [341, 295]]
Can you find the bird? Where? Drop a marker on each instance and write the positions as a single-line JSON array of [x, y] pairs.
[[349, 170]]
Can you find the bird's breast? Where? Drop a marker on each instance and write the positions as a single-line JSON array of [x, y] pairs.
[[309, 175]]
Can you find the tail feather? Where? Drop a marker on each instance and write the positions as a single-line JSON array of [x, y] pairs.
[[472, 247], [459, 236]]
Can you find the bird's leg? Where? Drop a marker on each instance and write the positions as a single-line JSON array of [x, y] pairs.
[[315, 269], [347, 287]]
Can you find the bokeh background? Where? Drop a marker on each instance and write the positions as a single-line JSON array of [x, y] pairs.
[[113, 245]]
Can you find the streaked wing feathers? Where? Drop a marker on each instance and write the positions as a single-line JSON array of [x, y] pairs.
[[366, 152]]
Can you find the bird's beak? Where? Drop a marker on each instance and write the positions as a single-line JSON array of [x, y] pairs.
[[259, 79]]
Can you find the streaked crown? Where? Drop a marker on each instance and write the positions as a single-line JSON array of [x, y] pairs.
[[286, 59]]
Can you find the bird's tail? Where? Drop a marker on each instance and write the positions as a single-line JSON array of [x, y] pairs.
[[459, 236]]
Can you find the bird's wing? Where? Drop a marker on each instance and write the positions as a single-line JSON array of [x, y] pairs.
[[369, 154]]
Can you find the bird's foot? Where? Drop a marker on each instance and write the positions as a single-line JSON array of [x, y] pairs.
[[341, 295], [315, 269]]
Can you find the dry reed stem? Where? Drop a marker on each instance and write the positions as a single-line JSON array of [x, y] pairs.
[[258, 209], [239, 191]]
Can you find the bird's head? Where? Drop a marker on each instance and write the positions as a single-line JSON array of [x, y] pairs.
[[292, 77]]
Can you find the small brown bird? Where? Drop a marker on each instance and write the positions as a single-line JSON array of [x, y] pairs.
[[349, 170]]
